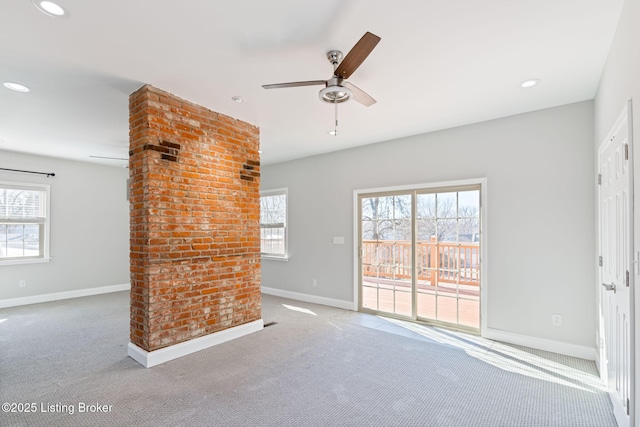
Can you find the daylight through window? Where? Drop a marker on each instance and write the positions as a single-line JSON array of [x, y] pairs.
[[273, 223], [23, 221]]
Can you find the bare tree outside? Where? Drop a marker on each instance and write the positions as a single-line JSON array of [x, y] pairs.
[[450, 217], [386, 218]]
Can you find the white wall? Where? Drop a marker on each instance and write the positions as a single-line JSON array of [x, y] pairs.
[[539, 168], [620, 82], [89, 227]]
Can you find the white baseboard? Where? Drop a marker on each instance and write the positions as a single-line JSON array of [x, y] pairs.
[[36, 299], [345, 305], [153, 358], [574, 350]]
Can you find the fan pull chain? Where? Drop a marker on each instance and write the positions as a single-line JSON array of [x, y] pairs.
[[335, 128]]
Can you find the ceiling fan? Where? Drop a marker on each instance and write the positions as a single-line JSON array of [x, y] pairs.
[[337, 89]]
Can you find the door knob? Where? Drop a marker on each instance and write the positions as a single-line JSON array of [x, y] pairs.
[[610, 287]]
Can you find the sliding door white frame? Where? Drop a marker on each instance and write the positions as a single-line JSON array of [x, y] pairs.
[[482, 182]]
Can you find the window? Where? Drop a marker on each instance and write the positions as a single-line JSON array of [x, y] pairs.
[[24, 222], [419, 253], [273, 223]]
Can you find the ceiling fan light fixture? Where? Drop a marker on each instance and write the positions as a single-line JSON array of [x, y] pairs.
[[335, 94]]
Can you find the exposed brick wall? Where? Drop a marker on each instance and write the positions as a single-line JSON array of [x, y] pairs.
[[195, 209]]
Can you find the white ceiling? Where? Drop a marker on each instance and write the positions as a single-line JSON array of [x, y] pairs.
[[440, 64]]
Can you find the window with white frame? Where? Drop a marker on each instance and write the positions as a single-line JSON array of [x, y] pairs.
[[273, 223], [24, 222]]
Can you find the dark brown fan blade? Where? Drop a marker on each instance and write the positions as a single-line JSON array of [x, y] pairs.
[[357, 55], [360, 96], [296, 84]]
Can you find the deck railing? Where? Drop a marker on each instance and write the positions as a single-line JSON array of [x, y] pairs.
[[448, 262]]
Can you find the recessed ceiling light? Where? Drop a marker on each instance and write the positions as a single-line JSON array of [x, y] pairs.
[[333, 132], [50, 8], [237, 99], [259, 151], [529, 83], [15, 87]]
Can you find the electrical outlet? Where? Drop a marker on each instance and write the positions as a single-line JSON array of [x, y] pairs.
[[23, 283], [315, 282], [556, 319]]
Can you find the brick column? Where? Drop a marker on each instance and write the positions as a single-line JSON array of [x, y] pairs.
[[195, 234]]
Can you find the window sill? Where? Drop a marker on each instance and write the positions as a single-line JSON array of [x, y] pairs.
[[24, 261], [275, 257]]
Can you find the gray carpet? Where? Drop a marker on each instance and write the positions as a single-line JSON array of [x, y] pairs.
[[316, 366]]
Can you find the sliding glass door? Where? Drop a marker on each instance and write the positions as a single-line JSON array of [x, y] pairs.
[[448, 247], [420, 255], [386, 223]]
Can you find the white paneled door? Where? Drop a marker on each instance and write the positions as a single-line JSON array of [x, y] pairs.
[[616, 267]]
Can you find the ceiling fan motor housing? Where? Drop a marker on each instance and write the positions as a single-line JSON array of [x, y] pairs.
[[334, 56]]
